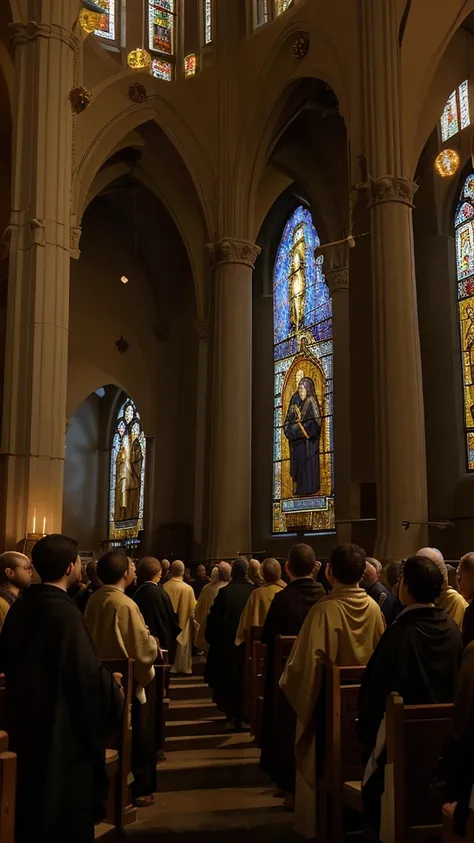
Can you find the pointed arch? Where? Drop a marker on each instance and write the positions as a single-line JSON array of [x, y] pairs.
[[303, 449]]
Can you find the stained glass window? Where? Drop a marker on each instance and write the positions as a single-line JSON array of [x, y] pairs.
[[281, 6], [261, 12], [161, 26], [207, 21], [303, 448], [464, 228], [127, 474], [162, 69], [107, 21], [456, 114], [190, 65]]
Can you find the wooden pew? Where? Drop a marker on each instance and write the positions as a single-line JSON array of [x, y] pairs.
[[119, 810], [343, 754], [258, 688], [7, 791], [159, 701], [412, 803], [249, 678]]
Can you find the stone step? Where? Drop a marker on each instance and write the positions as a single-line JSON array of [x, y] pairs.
[[249, 814], [194, 709], [188, 728], [231, 765], [199, 664], [190, 690], [204, 741]]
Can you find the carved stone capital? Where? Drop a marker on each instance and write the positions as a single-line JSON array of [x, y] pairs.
[[337, 280], [21, 33], [230, 250], [392, 189], [202, 329], [75, 237]]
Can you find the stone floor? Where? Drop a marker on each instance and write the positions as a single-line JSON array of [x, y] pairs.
[[210, 784]]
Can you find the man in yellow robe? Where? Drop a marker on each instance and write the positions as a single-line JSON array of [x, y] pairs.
[[344, 627], [184, 604], [258, 604], [206, 601], [451, 600]]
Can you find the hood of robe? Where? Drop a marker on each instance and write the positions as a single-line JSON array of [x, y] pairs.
[[352, 603]]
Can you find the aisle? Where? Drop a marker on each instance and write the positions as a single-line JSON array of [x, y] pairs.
[[210, 783]]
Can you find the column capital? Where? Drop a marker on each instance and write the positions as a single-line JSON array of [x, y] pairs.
[[230, 250], [21, 33], [338, 280], [202, 329], [392, 189]]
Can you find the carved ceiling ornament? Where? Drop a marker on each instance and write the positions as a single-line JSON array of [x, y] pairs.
[[392, 189], [137, 92], [230, 250], [338, 280], [80, 98]]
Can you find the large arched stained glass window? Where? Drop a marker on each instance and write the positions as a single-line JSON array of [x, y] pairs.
[[303, 453], [464, 228], [127, 474]]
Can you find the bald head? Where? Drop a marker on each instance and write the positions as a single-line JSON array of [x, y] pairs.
[[435, 555], [16, 571], [254, 573], [225, 571], [149, 570], [165, 565], [177, 568], [271, 570]]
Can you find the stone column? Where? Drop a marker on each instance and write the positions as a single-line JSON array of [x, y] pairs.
[[233, 262], [336, 271], [202, 330], [400, 435], [149, 513], [34, 410]]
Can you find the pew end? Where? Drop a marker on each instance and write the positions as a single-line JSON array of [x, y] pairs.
[[250, 700], [7, 794]]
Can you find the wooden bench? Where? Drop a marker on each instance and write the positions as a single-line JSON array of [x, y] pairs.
[[258, 688], [412, 802], [342, 751], [249, 678], [7, 791], [119, 810]]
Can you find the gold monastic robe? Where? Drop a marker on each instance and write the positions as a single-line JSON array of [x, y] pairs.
[[118, 631], [204, 605], [256, 609], [454, 605], [184, 603], [343, 627]]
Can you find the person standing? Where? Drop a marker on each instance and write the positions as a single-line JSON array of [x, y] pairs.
[[225, 662], [16, 573], [465, 578], [344, 627], [59, 704], [156, 607], [450, 600], [81, 600], [206, 600], [119, 631], [184, 603], [200, 580], [285, 616], [384, 598], [259, 602], [418, 658]]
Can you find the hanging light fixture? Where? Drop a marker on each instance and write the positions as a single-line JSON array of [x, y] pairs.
[[447, 163], [139, 59]]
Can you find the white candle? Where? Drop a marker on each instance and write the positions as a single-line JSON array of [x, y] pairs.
[[34, 522], [44, 526]]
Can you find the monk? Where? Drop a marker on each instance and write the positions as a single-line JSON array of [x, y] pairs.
[[465, 578], [16, 573], [184, 603], [344, 627], [258, 604], [451, 601], [155, 605], [255, 574], [206, 600]]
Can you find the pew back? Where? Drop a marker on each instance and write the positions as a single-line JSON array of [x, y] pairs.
[[120, 811], [250, 699], [283, 647], [260, 665], [7, 791], [416, 735]]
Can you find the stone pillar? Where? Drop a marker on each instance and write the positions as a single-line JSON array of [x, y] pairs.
[[233, 262], [202, 330], [34, 410], [400, 435], [336, 271], [149, 513]]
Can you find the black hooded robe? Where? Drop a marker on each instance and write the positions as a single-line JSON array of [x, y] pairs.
[[59, 705], [225, 662], [156, 607], [417, 658]]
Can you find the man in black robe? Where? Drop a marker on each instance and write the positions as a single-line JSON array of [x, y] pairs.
[[155, 606], [286, 615], [459, 752], [389, 605], [225, 662], [81, 600], [302, 428], [418, 658], [59, 704]]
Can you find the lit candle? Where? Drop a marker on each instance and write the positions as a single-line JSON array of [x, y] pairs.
[[44, 526], [34, 522]]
